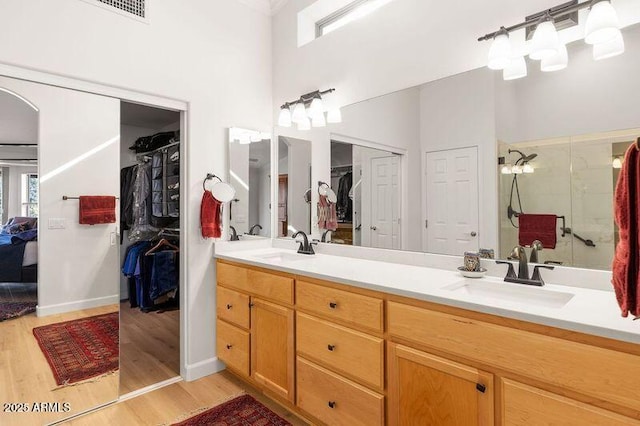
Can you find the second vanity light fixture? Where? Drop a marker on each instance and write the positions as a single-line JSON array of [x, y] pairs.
[[602, 31], [309, 111]]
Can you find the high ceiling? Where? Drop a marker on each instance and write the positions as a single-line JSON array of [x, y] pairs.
[[269, 7]]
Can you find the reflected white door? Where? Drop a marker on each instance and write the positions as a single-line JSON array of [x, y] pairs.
[[452, 201], [385, 203]]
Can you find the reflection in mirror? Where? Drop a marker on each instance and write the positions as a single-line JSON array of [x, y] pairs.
[[250, 175], [294, 184], [368, 187]]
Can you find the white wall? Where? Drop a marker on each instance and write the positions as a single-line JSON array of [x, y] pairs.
[[215, 55], [79, 148], [18, 121]]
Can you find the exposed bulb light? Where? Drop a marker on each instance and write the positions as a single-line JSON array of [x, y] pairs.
[[545, 41], [609, 49], [500, 51], [617, 163], [299, 113], [334, 116], [284, 120], [319, 121], [516, 170], [516, 69], [527, 168], [316, 109], [304, 124], [602, 23], [556, 62], [506, 170]]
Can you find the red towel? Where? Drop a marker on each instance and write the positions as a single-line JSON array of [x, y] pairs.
[[327, 214], [210, 220], [97, 209], [627, 257], [541, 227]]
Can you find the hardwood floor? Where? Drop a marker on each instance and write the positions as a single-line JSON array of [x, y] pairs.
[[149, 347], [25, 375], [178, 402]]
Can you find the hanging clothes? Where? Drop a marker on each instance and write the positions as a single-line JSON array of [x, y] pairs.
[[327, 214], [344, 203], [141, 212], [127, 178], [626, 260], [210, 216]]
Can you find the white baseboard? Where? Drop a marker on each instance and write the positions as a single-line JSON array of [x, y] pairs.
[[43, 311], [203, 368]]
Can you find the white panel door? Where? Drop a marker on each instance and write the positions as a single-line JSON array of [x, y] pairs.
[[452, 201], [385, 203]]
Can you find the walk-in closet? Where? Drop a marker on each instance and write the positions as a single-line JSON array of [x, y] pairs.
[[149, 246]]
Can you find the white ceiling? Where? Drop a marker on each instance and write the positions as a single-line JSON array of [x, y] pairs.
[[268, 7]]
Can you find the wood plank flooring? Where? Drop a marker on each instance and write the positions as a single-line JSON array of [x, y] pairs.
[[149, 347], [177, 402], [25, 375]]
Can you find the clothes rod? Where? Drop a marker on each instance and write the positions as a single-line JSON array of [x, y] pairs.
[[66, 197]]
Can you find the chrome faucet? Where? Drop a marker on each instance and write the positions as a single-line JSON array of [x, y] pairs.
[[518, 253], [254, 227], [324, 235], [234, 234], [536, 248], [306, 247]]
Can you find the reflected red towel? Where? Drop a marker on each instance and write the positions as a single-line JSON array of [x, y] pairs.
[[210, 212], [541, 227], [96, 209], [627, 257]]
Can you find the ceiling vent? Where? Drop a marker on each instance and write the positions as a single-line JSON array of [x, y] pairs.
[[137, 9]]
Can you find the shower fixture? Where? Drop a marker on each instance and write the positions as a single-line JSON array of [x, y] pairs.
[[520, 166]]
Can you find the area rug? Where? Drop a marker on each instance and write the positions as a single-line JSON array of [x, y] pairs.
[[80, 349], [241, 411], [10, 310]]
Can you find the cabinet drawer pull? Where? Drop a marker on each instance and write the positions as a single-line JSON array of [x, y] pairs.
[[331, 347], [251, 305], [333, 305], [332, 404], [229, 306], [481, 388], [229, 346]]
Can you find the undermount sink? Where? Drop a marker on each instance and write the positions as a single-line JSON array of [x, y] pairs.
[[534, 296], [278, 257]]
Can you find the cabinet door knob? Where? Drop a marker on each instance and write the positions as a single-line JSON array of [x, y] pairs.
[[481, 388], [331, 347], [229, 346], [474, 233], [229, 306], [374, 228], [332, 404], [333, 305]]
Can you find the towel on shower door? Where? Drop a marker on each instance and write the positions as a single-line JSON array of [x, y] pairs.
[[626, 260], [541, 227], [95, 209]]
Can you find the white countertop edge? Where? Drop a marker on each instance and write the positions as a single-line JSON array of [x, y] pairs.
[[590, 329]]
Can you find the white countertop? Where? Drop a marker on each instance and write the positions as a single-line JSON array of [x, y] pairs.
[[589, 311]]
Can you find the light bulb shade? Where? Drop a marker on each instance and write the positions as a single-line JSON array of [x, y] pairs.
[[545, 41], [318, 121], [602, 23], [334, 116], [516, 69], [527, 168], [316, 109], [617, 163], [516, 170], [284, 119], [500, 52], [304, 124], [506, 170], [299, 113], [609, 49], [556, 62]]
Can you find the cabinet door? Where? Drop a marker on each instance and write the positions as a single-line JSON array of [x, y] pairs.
[[428, 390], [526, 405], [272, 350]]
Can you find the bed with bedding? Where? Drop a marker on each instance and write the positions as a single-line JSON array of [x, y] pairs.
[[19, 250]]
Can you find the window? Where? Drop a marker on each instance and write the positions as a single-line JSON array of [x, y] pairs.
[[30, 194], [349, 13]]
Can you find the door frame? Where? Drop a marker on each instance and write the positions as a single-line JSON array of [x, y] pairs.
[[178, 105], [423, 195]]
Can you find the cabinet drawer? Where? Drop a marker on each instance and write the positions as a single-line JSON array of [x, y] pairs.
[[335, 400], [269, 286], [562, 363], [232, 345], [341, 349], [526, 405], [356, 309], [233, 307]]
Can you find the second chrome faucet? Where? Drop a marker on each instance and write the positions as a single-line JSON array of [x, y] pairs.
[[518, 253]]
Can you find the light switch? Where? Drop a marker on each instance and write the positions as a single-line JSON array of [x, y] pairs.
[[57, 223]]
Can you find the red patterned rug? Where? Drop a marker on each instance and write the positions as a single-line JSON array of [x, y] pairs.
[[241, 411], [10, 310], [80, 349]]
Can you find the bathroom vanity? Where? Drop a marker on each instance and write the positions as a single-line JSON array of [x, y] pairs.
[[346, 341]]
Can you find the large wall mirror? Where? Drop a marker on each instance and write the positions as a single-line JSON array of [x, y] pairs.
[[294, 186], [466, 162]]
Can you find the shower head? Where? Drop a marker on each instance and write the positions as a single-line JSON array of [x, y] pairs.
[[523, 158], [529, 158]]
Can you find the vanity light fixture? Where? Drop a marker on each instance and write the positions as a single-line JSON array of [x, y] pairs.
[[602, 30], [309, 110]]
